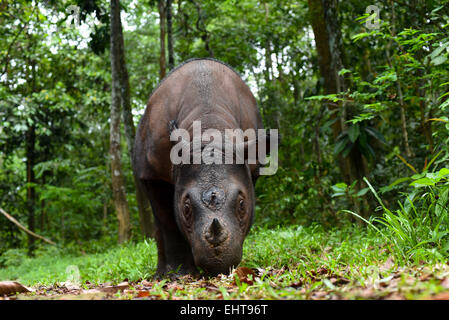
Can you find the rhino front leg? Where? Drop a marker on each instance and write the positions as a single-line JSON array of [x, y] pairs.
[[174, 252]]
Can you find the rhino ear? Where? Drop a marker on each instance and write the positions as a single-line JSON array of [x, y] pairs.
[[172, 125]]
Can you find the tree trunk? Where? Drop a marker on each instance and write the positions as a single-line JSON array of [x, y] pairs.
[[43, 211], [408, 151], [117, 180], [171, 57], [326, 28], [30, 155], [316, 11], [162, 66], [30, 149], [145, 214], [268, 62], [425, 124]]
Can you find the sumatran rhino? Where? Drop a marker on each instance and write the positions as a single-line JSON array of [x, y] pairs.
[[202, 212]]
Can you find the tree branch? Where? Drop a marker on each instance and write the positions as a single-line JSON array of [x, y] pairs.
[[10, 218]]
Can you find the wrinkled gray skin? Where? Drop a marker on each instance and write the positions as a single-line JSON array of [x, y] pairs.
[[218, 223], [202, 212]]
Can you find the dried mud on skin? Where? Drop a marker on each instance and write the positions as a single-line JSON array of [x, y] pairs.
[[392, 283]]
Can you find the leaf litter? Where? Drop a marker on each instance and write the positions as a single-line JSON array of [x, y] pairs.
[[386, 281]]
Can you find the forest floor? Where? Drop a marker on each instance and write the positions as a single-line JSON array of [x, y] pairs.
[[286, 263]]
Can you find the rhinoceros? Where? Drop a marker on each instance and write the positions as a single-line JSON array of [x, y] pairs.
[[202, 212]]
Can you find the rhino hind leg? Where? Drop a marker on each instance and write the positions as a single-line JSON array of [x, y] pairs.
[[174, 253]]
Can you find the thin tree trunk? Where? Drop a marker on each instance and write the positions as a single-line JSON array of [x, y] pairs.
[[43, 211], [162, 63], [316, 12], [30, 155], [30, 149], [117, 180], [408, 151], [145, 214], [296, 92], [318, 21], [326, 28], [171, 57], [425, 124], [417, 21], [268, 61]]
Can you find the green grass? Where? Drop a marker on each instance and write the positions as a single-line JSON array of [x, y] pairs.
[[132, 261], [275, 248], [292, 263]]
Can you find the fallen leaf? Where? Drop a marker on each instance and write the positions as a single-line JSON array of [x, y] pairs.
[[258, 271], [339, 281], [387, 282], [445, 283], [173, 285], [111, 289], [322, 270], [367, 293], [12, 287], [441, 296], [146, 283], [387, 265], [69, 286], [142, 294], [209, 286], [425, 277], [297, 285], [395, 296], [243, 274], [276, 272], [319, 294]]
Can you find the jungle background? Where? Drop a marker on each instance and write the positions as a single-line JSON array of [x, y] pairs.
[[361, 102]]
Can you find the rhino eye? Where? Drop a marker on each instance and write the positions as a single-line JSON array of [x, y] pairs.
[[187, 210], [241, 208]]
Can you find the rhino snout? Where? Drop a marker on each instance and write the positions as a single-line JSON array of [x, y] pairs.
[[216, 234]]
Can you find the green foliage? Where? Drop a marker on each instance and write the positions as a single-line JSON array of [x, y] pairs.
[[342, 189], [55, 81], [293, 262], [13, 258], [358, 136], [132, 261], [419, 229], [263, 248]]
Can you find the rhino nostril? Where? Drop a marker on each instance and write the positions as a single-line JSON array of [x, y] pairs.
[[215, 227], [215, 234]]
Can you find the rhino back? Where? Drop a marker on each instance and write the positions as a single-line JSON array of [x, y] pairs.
[[203, 90]]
